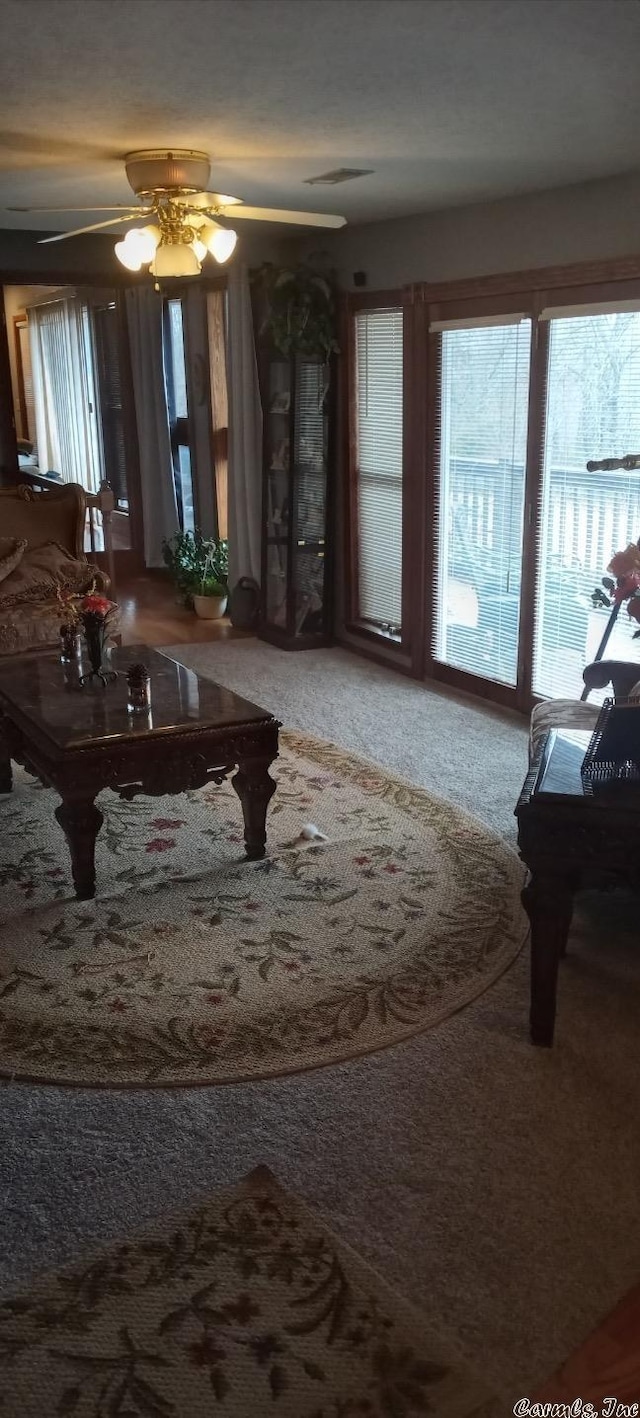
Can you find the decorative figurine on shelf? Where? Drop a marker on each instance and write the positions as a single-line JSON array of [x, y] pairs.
[[95, 613], [139, 689]]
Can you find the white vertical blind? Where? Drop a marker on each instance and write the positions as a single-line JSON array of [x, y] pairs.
[[593, 412], [482, 442], [379, 374], [67, 434]]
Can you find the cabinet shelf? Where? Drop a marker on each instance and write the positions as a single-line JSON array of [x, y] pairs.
[[298, 395]]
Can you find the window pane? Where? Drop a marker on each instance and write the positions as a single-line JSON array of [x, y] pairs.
[[177, 359], [186, 485], [379, 464], [593, 412], [483, 438]]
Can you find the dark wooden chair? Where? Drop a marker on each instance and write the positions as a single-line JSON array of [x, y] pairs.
[[623, 675]]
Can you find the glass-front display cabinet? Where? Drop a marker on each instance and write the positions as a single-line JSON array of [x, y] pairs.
[[297, 397]]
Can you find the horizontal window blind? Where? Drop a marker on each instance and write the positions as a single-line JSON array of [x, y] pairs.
[[379, 380], [593, 412], [604, 307], [480, 474], [470, 322]]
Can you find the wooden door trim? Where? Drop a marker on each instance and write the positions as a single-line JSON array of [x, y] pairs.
[[584, 273]]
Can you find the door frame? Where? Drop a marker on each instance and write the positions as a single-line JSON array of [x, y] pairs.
[[128, 561]]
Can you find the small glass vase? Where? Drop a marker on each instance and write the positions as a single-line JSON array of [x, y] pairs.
[[70, 644], [138, 690]]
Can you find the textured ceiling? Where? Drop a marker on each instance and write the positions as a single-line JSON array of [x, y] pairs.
[[449, 101]]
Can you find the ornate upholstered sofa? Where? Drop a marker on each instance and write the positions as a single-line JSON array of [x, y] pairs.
[[42, 536], [623, 675]]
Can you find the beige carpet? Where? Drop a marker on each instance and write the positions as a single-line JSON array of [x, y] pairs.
[[193, 965], [245, 1305], [492, 1184]]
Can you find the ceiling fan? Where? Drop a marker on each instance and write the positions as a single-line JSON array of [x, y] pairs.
[[184, 225]]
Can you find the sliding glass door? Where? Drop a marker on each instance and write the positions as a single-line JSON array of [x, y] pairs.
[[471, 507], [481, 441], [592, 413]]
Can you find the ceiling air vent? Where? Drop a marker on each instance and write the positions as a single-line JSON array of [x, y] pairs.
[[339, 174]]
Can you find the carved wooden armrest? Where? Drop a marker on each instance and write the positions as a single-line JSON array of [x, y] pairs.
[[105, 502], [620, 673]]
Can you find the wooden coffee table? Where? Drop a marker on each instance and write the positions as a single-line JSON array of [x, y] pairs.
[[80, 741], [571, 839]]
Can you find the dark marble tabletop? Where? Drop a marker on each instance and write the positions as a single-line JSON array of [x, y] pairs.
[[41, 691]]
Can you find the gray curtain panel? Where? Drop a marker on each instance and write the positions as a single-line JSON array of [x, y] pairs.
[[245, 432], [159, 507]]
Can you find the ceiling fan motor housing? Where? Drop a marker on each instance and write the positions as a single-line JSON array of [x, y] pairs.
[[156, 170]]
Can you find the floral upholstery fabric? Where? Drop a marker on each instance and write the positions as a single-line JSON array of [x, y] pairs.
[[41, 571], [560, 714], [29, 611], [30, 626], [11, 552]]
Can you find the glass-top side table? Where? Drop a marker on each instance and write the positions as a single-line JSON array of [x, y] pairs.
[[570, 837]]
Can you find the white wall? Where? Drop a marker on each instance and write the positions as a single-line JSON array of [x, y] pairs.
[[585, 222]]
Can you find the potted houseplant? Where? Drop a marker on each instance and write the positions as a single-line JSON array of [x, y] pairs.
[[298, 310], [200, 568]]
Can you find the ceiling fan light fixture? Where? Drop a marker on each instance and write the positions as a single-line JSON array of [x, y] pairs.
[[221, 243], [127, 256], [199, 247], [175, 260], [143, 242]]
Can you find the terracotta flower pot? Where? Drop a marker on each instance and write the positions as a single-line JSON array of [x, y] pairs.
[[210, 607]]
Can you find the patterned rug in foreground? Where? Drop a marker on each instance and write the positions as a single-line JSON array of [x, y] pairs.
[[244, 1305], [194, 966]]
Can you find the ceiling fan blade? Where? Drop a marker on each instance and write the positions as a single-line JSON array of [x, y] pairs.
[[211, 199], [273, 214], [115, 207], [97, 226]]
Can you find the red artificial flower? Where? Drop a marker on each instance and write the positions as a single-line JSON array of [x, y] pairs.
[[95, 605], [160, 844], [626, 587], [625, 562], [165, 823]]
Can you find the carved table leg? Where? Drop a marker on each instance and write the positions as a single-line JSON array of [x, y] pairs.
[[548, 901], [6, 778], [255, 788], [81, 821]]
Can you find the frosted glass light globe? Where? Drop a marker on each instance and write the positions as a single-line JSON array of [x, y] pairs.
[[127, 257], [142, 242], [222, 243], [175, 261], [199, 247]]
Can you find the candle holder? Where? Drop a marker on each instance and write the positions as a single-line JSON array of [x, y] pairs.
[[138, 689]]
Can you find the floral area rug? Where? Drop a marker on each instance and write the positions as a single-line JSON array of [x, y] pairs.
[[193, 965], [245, 1305]]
